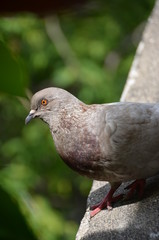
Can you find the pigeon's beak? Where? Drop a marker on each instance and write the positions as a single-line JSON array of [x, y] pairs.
[[30, 116]]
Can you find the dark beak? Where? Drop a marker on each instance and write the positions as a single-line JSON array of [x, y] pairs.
[[30, 116]]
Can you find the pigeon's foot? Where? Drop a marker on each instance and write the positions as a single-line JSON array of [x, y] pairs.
[[138, 186], [107, 201]]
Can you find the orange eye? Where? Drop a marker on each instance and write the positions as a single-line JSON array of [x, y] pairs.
[[44, 102]]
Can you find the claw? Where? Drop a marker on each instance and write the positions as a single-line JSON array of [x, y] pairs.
[[137, 185], [107, 201]]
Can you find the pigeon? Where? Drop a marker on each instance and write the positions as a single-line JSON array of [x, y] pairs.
[[113, 142]]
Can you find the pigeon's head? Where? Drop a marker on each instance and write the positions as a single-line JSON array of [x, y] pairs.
[[47, 102]]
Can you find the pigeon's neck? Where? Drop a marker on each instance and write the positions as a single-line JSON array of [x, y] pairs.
[[66, 117]]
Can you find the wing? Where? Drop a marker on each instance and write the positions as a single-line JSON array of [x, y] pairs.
[[133, 133]]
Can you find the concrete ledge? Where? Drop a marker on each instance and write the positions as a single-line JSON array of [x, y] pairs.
[[131, 219]]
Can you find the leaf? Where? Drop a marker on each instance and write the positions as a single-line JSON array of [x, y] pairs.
[[13, 225], [12, 77]]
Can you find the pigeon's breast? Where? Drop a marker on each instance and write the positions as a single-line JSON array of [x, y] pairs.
[[80, 152]]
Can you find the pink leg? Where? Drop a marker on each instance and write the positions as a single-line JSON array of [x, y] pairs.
[[107, 201], [138, 185]]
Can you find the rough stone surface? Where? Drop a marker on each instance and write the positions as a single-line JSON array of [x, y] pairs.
[[135, 219]]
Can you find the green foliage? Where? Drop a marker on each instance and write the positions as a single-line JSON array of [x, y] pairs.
[[14, 77], [12, 219], [39, 194]]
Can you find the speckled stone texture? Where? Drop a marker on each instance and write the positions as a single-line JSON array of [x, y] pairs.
[[135, 219]]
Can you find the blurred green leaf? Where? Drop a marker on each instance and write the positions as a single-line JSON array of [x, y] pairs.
[[13, 223], [13, 80]]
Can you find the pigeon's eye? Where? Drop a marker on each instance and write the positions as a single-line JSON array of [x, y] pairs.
[[44, 102]]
